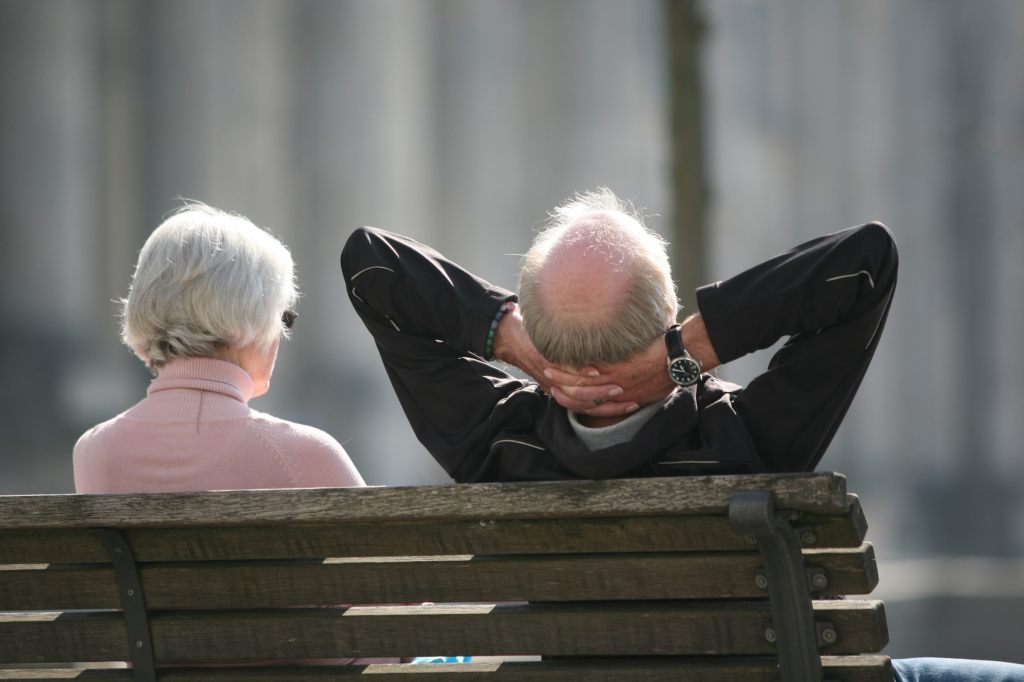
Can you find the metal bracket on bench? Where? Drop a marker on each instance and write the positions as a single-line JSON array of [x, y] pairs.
[[793, 632], [129, 590]]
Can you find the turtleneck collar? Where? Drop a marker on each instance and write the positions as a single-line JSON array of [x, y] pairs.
[[204, 374]]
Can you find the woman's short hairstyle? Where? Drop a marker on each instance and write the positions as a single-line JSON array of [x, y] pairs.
[[206, 280], [650, 303]]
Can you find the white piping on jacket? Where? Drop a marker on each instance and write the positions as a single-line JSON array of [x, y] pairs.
[[854, 274], [518, 442], [372, 267]]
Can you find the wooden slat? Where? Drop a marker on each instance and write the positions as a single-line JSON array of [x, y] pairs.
[[861, 626], [55, 637], [514, 536], [630, 628], [78, 545], [485, 501], [36, 674], [588, 577], [760, 669], [40, 674], [849, 571]]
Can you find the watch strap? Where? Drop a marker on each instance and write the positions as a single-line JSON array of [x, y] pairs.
[[674, 342]]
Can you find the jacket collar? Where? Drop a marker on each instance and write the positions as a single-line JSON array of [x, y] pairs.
[[678, 415]]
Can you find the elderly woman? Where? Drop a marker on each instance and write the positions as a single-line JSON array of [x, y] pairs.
[[209, 302]]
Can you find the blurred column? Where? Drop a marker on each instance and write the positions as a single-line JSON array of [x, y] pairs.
[[1003, 136], [971, 36], [48, 122], [364, 154], [50, 163], [689, 252]]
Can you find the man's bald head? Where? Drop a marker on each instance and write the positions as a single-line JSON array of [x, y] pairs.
[[595, 287], [585, 275]]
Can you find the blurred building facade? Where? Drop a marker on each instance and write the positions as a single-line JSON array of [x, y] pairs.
[[461, 123], [828, 114]]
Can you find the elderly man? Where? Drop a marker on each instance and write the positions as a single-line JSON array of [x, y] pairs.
[[620, 390]]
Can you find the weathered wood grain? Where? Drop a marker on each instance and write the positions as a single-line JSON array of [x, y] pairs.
[[762, 669], [606, 629], [401, 538], [588, 577], [856, 573], [54, 637], [856, 622], [822, 492]]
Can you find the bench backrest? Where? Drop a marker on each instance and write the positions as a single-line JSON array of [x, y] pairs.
[[613, 580]]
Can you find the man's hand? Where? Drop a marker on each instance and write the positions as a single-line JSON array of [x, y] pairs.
[[592, 394], [643, 378]]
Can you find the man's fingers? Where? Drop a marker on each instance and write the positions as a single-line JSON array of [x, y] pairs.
[[568, 402], [589, 394], [594, 407], [585, 377]]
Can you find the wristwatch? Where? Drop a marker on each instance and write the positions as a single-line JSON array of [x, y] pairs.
[[683, 368]]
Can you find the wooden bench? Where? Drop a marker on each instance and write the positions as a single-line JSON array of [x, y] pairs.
[[653, 579]]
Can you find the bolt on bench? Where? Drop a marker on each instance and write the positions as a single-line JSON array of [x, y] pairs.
[[728, 578]]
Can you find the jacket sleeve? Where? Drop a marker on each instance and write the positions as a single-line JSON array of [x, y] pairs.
[[831, 297], [430, 319]]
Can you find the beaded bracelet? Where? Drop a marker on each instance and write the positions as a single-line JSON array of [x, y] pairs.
[[506, 307]]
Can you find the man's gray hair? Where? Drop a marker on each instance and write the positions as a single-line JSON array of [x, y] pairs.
[[649, 306], [206, 280]]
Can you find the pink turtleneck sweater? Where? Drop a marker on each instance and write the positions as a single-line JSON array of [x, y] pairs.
[[195, 431]]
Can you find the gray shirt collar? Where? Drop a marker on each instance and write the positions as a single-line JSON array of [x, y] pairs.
[[600, 437]]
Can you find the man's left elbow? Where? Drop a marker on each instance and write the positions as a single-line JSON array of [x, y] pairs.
[[880, 246]]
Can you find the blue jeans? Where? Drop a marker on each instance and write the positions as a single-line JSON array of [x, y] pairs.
[[955, 670]]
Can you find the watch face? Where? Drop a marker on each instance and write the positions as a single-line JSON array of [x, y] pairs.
[[684, 371]]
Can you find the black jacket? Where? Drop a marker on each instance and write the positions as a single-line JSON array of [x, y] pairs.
[[430, 318]]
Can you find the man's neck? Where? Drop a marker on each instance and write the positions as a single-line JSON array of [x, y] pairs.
[[598, 422]]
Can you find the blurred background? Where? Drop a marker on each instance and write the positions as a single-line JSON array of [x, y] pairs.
[[740, 127]]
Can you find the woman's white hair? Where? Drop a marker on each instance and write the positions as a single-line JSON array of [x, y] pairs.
[[206, 280], [651, 302]]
